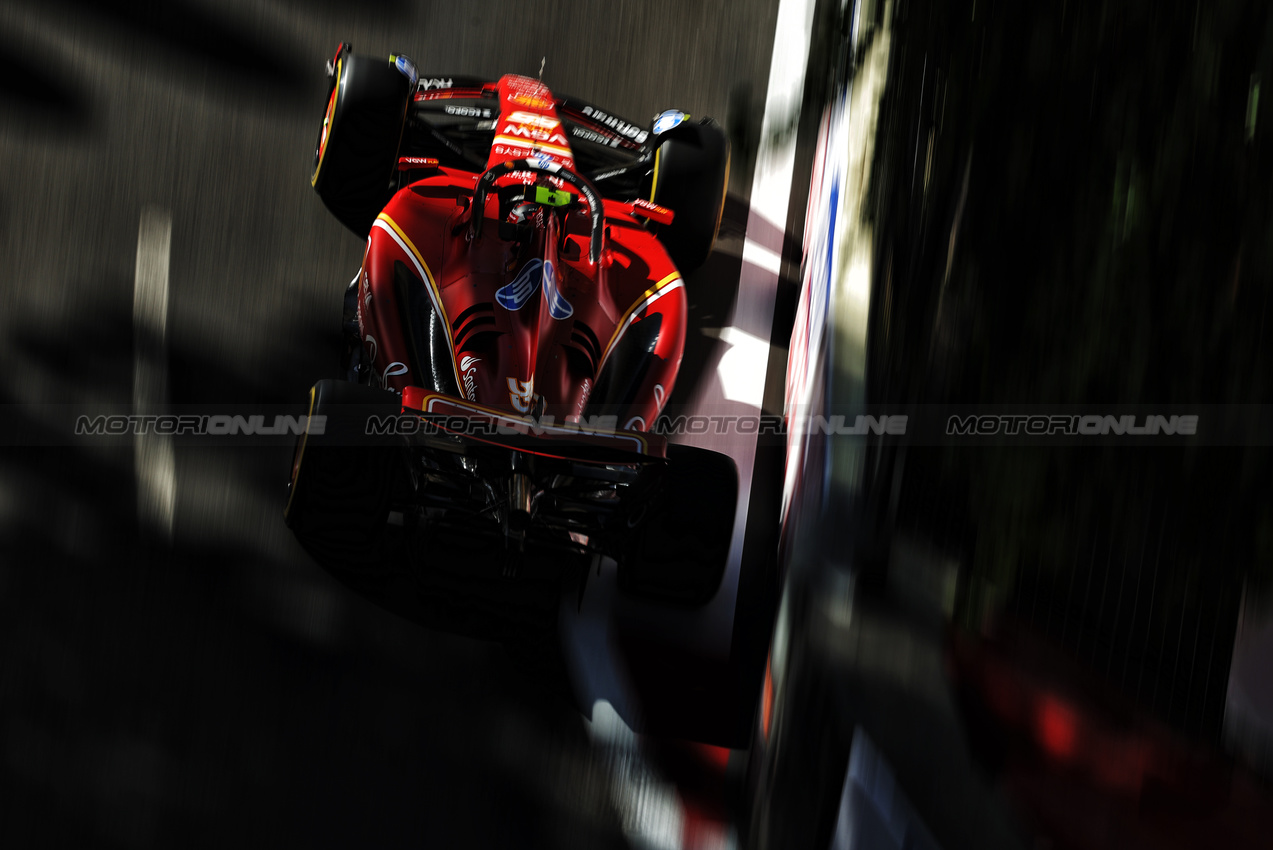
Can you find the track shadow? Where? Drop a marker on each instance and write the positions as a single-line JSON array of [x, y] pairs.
[[191, 38], [711, 291], [347, 9], [36, 96], [153, 693]]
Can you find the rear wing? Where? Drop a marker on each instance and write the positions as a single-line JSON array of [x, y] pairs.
[[452, 118]]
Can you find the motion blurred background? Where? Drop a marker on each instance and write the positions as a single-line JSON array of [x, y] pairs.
[[1060, 204], [1070, 203], [213, 687]]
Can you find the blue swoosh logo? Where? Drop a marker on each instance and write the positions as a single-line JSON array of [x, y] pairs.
[[558, 307], [515, 295]]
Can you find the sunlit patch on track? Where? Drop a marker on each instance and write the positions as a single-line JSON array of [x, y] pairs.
[[153, 459], [747, 357], [763, 256]]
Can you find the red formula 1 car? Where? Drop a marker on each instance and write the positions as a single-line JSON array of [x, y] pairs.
[[516, 327]]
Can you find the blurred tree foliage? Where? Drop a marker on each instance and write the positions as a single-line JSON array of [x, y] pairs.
[[1115, 247]]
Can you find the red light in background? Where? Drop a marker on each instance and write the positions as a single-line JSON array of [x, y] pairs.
[[1056, 725]]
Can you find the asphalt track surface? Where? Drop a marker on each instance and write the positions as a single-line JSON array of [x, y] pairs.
[[188, 677]]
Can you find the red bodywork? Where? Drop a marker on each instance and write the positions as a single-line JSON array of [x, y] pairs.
[[522, 360]]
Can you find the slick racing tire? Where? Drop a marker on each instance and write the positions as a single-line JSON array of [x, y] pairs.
[[342, 483], [691, 175], [679, 547], [357, 146]]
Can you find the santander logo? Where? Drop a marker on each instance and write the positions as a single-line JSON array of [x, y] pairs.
[[468, 368]]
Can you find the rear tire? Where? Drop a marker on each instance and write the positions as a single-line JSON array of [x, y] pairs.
[[342, 485], [691, 176], [679, 548], [357, 146]]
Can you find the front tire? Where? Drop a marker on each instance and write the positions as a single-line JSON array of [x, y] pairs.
[[691, 176], [357, 146]]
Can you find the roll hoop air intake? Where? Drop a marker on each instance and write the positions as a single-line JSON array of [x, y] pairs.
[[551, 169]]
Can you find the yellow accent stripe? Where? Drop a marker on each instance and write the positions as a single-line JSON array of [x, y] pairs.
[[528, 143], [654, 181], [627, 317], [330, 121], [300, 457], [724, 193], [433, 286], [429, 398]]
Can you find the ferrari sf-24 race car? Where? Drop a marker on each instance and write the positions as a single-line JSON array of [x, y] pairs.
[[514, 331]]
